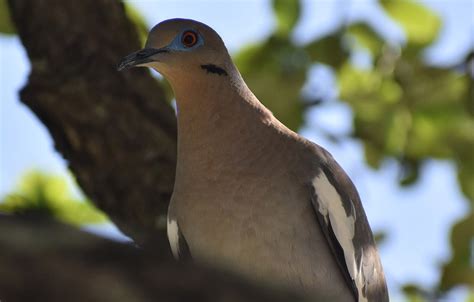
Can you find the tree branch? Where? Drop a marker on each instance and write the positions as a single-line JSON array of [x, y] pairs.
[[43, 260], [115, 129]]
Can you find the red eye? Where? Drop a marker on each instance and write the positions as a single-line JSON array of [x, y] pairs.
[[189, 38]]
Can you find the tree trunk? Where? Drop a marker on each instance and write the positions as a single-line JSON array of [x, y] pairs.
[[115, 129]]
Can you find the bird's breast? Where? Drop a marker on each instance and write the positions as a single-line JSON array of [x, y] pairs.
[[260, 226]]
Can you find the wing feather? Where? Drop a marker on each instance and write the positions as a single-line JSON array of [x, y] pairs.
[[325, 222], [341, 216]]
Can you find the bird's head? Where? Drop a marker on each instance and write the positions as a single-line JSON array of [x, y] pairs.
[[179, 48]]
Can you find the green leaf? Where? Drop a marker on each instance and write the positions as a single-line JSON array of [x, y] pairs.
[[50, 195], [80, 213], [328, 50], [410, 113], [398, 127], [373, 155], [460, 270], [380, 237], [287, 13], [466, 174], [374, 100], [410, 171], [6, 25], [413, 293], [435, 97], [370, 92], [470, 297], [421, 25], [137, 18], [366, 37]]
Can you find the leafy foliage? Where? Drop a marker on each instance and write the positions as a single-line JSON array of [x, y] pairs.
[[366, 37], [287, 13], [328, 50], [281, 62], [45, 194], [460, 269], [6, 26], [421, 25], [414, 294]]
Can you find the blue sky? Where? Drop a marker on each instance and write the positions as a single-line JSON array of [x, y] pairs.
[[416, 218]]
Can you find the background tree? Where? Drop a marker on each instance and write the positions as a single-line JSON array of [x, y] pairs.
[[122, 153]]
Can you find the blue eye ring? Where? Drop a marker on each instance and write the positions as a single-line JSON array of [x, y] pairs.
[[189, 38]]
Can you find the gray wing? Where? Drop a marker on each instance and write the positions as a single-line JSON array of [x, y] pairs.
[[342, 218]]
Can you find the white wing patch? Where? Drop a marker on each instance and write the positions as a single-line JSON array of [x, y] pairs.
[[173, 236], [332, 208]]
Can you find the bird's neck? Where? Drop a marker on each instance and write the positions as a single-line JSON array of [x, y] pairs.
[[218, 117]]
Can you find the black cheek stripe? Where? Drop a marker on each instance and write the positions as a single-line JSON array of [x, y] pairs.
[[211, 68]]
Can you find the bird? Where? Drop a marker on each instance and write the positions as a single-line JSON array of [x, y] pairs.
[[251, 195]]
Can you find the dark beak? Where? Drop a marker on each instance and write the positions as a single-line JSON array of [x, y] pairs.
[[140, 57]]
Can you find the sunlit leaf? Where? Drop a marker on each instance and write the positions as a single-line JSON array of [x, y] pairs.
[[410, 112], [379, 119], [50, 195], [137, 18], [359, 86], [397, 131], [287, 13], [79, 213], [369, 93], [421, 25], [6, 25], [470, 297], [366, 37], [413, 293], [373, 155], [435, 97]]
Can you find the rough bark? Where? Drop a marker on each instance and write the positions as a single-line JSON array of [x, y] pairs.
[[115, 129], [42, 260]]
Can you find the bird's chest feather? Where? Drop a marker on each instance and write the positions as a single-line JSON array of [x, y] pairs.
[[231, 215], [251, 224]]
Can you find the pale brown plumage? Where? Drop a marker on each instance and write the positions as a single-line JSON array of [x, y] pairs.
[[250, 194]]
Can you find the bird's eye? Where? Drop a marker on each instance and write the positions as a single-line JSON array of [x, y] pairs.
[[189, 38]]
